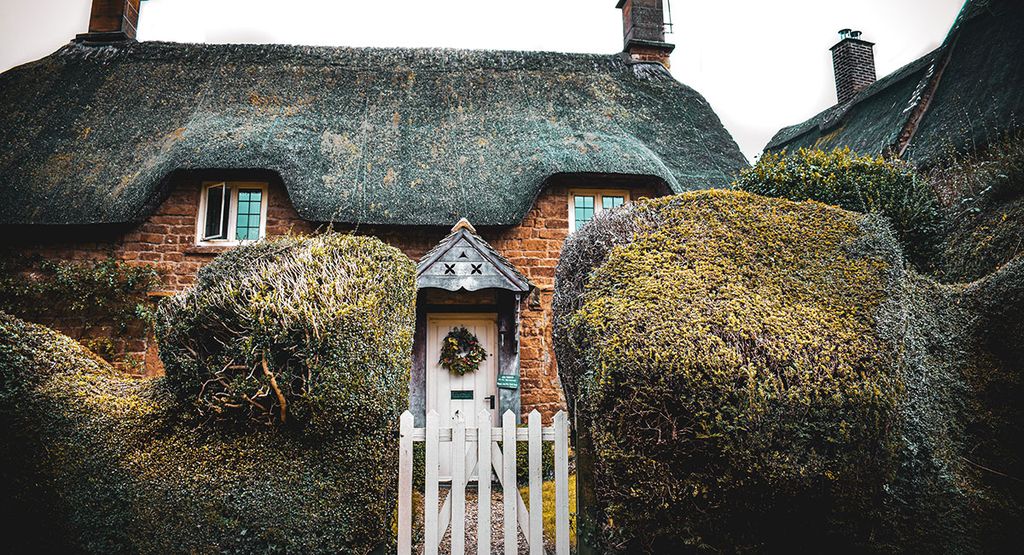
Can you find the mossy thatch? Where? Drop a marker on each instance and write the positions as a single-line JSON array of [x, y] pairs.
[[758, 374], [95, 462], [958, 97], [356, 135]]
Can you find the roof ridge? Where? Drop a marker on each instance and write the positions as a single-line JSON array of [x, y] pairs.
[[349, 56]]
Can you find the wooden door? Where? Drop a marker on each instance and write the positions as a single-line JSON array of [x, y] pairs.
[[449, 393]]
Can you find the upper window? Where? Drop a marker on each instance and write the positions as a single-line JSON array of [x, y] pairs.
[[584, 204], [230, 213]]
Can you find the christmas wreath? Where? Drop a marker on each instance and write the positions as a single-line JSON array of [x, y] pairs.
[[461, 352]]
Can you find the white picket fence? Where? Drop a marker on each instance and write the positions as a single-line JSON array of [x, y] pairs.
[[488, 454]]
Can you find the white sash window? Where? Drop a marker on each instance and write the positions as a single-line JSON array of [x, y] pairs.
[[231, 213]]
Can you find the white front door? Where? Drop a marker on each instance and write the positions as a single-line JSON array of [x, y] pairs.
[[448, 393]]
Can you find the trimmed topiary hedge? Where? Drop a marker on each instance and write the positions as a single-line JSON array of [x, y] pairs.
[[983, 197], [313, 332], [757, 374], [99, 463]]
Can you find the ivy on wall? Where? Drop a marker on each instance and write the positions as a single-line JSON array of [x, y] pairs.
[[106, 298]]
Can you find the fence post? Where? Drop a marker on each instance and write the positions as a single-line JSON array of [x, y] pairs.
[[536, 487], [405, 484], [509, 493], [430, 539], [483, 482], [458, 493], [561, 483]]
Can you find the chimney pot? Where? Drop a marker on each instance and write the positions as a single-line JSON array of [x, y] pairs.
[[854, 62], [112, 20], [643, 30]]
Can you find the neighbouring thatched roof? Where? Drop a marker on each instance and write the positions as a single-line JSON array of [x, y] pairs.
[[957, 97], [869, 123], [381, 136]]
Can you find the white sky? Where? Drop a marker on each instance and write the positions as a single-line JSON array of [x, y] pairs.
[[763, 64]]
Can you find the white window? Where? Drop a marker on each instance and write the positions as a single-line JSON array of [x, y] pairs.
[[231, 213], [584, 204]]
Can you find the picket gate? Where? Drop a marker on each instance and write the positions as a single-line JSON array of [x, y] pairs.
[[502, 459]]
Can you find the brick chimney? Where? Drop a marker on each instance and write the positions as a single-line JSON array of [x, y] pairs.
[[643, 28], [112, 20], [854, 62]]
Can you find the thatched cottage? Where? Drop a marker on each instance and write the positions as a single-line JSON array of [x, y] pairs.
[[168, 154]]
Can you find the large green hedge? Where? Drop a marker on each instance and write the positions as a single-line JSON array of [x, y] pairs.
[[757, 374], [309, 332], [99, 463]]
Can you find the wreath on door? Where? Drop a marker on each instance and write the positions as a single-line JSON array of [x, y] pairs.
[[461, 352]]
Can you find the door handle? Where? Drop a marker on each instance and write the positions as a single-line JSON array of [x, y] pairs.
[[491, 399]]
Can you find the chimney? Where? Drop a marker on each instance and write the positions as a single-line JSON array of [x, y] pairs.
[[643, 29], [854, 62], [112, 20]]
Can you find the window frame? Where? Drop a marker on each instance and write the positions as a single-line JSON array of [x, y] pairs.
[[598, 195], [232, 229]]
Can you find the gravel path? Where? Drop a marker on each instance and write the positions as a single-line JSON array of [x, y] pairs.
[[497, 526]]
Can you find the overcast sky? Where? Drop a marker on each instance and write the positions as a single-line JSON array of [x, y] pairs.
[[762, 64]]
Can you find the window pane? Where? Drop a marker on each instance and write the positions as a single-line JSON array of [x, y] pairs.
[[217, 208], [248, 224], [583, 207], [611, 202]]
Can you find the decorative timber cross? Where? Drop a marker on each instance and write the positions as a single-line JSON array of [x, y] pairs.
[[463, 260]]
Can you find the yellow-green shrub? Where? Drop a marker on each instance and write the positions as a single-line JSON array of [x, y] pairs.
[[750, 373], [322, 325]]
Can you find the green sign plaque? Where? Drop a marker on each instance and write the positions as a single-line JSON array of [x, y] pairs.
[[508, 381]]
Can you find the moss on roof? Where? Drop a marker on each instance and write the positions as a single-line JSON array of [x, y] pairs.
[[981, 93], [383, 136], [976, 81]]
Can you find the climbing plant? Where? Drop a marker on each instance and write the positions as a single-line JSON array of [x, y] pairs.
[[105, 293]]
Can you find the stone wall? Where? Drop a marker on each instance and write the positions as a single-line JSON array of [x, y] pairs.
[[166, 240]]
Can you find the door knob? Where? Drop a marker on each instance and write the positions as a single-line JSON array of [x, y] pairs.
[[490, 398]]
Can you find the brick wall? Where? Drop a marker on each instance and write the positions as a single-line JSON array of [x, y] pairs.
[[166, 240], [854, 63]]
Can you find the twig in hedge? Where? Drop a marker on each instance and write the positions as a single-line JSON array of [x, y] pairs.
[[252, 402], [277, 390], [987, 469]]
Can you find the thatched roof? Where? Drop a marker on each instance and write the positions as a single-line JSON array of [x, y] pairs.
[[89, 134], [957, 97], [869, 123]]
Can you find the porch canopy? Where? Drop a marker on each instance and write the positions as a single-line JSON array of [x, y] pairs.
[[464, 261]]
